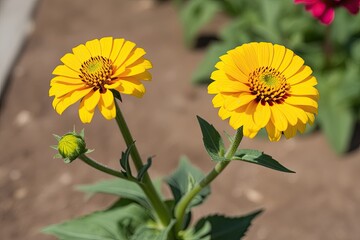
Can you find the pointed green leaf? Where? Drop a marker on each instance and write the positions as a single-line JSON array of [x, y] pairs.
[[144, 169], [229, 228], [116, 94], [124, 161], [114, 224], [57, 137], [259, 158], [213, 142], [119, 187], [183, 179]]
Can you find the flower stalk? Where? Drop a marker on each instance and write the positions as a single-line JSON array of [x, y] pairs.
[[147, 186], [182, 206], [100, 166]]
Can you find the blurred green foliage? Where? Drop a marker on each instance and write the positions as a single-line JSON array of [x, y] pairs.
[[333, 52]]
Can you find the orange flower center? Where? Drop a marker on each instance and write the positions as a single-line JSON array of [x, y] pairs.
[[269, 86], [96, 72]]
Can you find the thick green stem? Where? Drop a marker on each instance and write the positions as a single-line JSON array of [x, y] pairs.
[[182, 206], [100, 166], [147, 186]]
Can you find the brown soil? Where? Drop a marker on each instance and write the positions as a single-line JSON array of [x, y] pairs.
[[320, 201]]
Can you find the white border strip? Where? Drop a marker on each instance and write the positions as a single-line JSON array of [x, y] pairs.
[[15, 24]]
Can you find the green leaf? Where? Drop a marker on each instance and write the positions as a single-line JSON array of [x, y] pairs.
[[213, 142], [124, 161], [165, 233], [118, 187], [259, 158], [183, 178], [197, 234], [152, 232], [116, 94], [194, 15], [115, 224], [229, 228], [144, 169]]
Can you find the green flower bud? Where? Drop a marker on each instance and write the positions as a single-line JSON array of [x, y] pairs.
[[70, 146]]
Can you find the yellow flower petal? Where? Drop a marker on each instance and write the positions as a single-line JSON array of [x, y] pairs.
[[296, 63], [106, 45], [235, 101], [218, 100], [63, 70], [94, 47], [124, 53], [135, 88], [107, 99], [70, 99], [278, 119], [212, 88], [288, 57], [304, 90], [236, 119], [66, 81], [265, 54], [299, 112], [291, 113], [290, 132], [62, 89], [249, 56], [238, 58], [108, 112], [71, 61], [300, 76], [130, 71], [91, 100], [223, 113], [118, 43], [135, 56], [301, 101], [82, 53], [279, 53], [85, 115], [273, 134], [262, 115], [230, 68]]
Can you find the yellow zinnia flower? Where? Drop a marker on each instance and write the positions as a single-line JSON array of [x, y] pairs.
[[93, 70], [261, 85]]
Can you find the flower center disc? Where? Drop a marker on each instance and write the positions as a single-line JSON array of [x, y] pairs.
[[269, 86], [96, 72]]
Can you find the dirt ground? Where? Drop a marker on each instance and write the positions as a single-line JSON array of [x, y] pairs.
[[321, 201]]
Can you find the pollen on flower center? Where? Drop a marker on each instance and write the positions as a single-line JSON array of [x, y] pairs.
[[96, 72], [268, 85]]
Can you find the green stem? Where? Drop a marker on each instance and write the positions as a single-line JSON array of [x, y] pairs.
[[182, 206], [147, 186], [100, 166]]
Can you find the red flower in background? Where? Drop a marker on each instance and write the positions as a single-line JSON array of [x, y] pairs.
[[324, 10]]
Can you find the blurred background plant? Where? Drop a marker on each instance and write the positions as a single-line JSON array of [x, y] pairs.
[[332, 51]]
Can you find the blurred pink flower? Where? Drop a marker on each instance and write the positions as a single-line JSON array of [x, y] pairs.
[[324, 10]]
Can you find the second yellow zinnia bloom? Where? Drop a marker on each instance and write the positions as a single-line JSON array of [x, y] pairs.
[[92, 70], [261, 85]]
